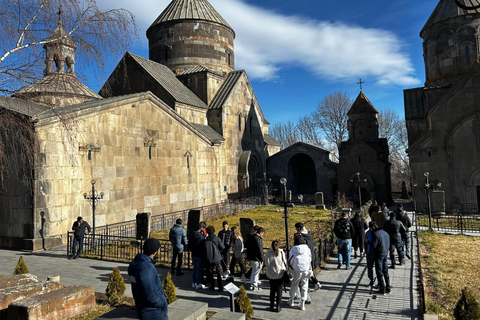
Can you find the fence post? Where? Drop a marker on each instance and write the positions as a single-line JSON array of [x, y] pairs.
[[102, 243], [462, 209]]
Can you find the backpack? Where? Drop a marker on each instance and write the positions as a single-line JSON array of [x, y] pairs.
[[344, 226]]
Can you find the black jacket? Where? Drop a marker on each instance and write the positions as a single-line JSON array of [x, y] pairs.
[[394, 228], [79, 230], [213, 246], [403, 217], [343, 229], [228, 238], [196, 244], [254, 247], [380, 244]]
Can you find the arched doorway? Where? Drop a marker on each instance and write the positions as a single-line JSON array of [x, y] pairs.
[[359, 189], [255, 178], [302, 176]]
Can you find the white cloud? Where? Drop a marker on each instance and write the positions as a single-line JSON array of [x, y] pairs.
[[267, 41]]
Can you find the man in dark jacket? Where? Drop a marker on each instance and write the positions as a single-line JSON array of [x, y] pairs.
[[147, 289], [178, 238], [394, 229], [403, 217], [78, 228], [309, 239], [254, 247], [380, 247], [226, 236], [344, 232], [213, 247], [196, 245]]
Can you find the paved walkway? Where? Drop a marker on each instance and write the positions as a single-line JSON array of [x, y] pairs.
[[345, 293]]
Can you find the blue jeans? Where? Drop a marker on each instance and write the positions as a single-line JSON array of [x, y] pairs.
[[381, 268], [406, 241], [344, 250], [197, 270], [76, 240]]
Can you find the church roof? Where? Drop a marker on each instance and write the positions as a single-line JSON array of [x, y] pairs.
[[209, 132], [225, 89], [270, 140], [59, 34], [22, 106], [447, 9], [362, 105], [190, 9], [168, 80], [60, 84], [195, 69]]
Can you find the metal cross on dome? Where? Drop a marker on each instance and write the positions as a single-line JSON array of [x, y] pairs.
[[468, 7]]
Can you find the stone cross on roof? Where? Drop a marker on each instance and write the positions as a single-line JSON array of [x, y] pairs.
[[360, 83]]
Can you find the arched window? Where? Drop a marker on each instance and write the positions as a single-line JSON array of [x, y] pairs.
[[239, 122]]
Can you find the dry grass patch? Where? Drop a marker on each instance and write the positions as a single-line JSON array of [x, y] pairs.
[[450, 263]]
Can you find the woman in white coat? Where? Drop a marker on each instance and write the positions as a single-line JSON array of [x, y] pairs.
[[300, 263], [276, 265]]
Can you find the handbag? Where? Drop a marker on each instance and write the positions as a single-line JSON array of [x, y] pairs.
[[286, 277]]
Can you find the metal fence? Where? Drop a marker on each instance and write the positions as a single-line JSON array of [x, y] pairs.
[[450, 223], [452, 208]]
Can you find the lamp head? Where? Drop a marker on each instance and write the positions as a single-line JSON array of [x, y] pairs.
[[426, 174], [93, 181], [283, 181]]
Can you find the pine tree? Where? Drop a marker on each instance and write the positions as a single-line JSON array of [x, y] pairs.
[[116, 287], [245, 304], [467, 307], [21, 267], [169, 289]]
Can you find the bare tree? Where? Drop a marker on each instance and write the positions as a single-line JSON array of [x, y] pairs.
[[25, 26], [285, 133], [309, 132], [331, 117]]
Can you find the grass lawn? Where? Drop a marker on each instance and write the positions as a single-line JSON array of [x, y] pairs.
[[450, 263], [270, 217]]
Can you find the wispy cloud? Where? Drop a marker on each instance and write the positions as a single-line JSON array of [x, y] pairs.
[[267, 41]]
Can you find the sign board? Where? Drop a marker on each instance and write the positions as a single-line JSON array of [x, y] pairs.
[[230, 287]]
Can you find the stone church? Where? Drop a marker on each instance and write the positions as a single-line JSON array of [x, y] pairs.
[[363, 168], [179, 130], [443, 116]]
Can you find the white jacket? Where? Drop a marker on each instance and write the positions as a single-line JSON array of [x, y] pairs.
[[275, 265], [300, 258]]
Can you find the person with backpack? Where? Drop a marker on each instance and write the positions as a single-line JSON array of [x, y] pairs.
[[344, 232], [359, 225], [213, 247], [196, 245], [403, 217]]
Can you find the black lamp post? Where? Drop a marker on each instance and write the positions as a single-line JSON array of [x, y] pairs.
[[359, 189], [285, 212], [427, 187], [93, 198]]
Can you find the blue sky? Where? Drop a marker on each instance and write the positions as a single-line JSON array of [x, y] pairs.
[[296, 52]]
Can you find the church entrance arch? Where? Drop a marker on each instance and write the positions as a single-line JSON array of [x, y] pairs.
[[302, 176], [255, 177], [250, 175]]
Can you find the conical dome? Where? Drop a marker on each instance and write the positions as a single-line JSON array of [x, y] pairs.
[[189, 33], [447, 9]]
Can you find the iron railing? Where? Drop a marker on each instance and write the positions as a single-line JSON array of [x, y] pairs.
[[450, 223], [452, 208]]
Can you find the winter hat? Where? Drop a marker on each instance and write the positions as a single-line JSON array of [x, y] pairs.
[[179, 221], [151, 246], [225, 223]]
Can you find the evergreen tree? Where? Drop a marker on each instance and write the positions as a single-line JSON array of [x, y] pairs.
[[21, 267], [245, 304], [116, 287], [169, 289]]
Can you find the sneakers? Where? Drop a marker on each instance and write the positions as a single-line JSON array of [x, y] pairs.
[[200, 286], [372, 282], [408, 256], [355, 256], [257, 288], [194, 285], [302, 305], [291, 303], [381, 292], [402, 262], [339, 266], [387, 290], [316, 287]]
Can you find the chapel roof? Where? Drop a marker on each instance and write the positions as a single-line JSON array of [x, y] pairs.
[[362, 105], [270, 140], [25, 107], [168, 80], [447, 9], [224, 92], [190, 9]]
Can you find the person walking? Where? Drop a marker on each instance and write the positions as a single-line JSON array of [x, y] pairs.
[[379, 218], [309, 239], [380, 247], [403, 217], [299, 261], [213, 247], [276, 266], [147, 290], [394, 229], [196, 245], [226, 236], [359, 225], [178, 238], [385, 211], [237, 248], [369, 254], [344, 232], [78, 228], [256, 257]]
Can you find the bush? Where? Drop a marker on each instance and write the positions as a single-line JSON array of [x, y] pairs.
[[467, 307], [116, 287], [21, 267], [342, 202], [169, 289], [245, 304]]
